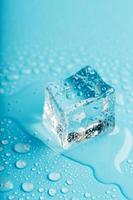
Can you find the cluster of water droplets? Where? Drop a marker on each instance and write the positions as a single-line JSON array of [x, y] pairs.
[[52, 183], [30, 66]]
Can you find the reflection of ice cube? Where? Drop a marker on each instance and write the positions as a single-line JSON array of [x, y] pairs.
[[80, 107]]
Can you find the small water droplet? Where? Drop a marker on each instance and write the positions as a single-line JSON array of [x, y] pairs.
[[33, 169], [54, 176], [75, 198], [40, 190], [26, 71], [10, 197], [21, 164], [64, 190], [69, 181], [12, 77], [41, 198], [4, 142], [22, 148], [8, 154], [27, 187], [108, 192], [129, 161], [52, 191], [87, 195], [6, 186]]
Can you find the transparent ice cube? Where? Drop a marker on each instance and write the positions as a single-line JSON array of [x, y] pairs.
[[79, 107]]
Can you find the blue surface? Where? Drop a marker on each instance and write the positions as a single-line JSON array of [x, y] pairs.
[[46, 40]]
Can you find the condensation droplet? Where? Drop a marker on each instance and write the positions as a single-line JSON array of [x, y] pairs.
[[40, 190], [10, 197], [21, 164], [6, 186], [13, 77], [54, 176], [4, 142], [69, 181], [74, 198], [64, 190], [27, 187], [129, 161], [52, 191], [87, 195], [8, 154], [41, 198], [22, 148]]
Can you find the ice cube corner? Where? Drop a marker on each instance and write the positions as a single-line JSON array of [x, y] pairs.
[[79, 107]]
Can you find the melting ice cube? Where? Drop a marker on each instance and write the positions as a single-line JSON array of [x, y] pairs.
[[79, 107]]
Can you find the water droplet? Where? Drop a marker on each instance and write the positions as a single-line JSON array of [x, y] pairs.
[[108, 192], [4, 142], [69, 181], [27, 187], [129, 161], [8, 154], [54, 176], [21, 164], [33, 169], [70, 66], [13, 77], [87, 195], [26, 71], [64, 190], [75, 198], [41, 198], [40, 190], [22, 148], [52, 191], [10, 197], [6, 186]]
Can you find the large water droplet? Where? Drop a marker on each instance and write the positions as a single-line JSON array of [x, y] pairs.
[[52, 191], [22, 148], [21, 164], [27, 187], [54, 176], [6, 186]]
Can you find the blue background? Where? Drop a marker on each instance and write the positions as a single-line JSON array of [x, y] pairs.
[[43, 40]]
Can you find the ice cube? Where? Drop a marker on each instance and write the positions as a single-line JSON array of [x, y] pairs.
[[79, 107]]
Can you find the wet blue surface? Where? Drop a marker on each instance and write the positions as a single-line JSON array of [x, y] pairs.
[[46, 41]]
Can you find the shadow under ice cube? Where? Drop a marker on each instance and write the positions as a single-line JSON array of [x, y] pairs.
[[80, 107]]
